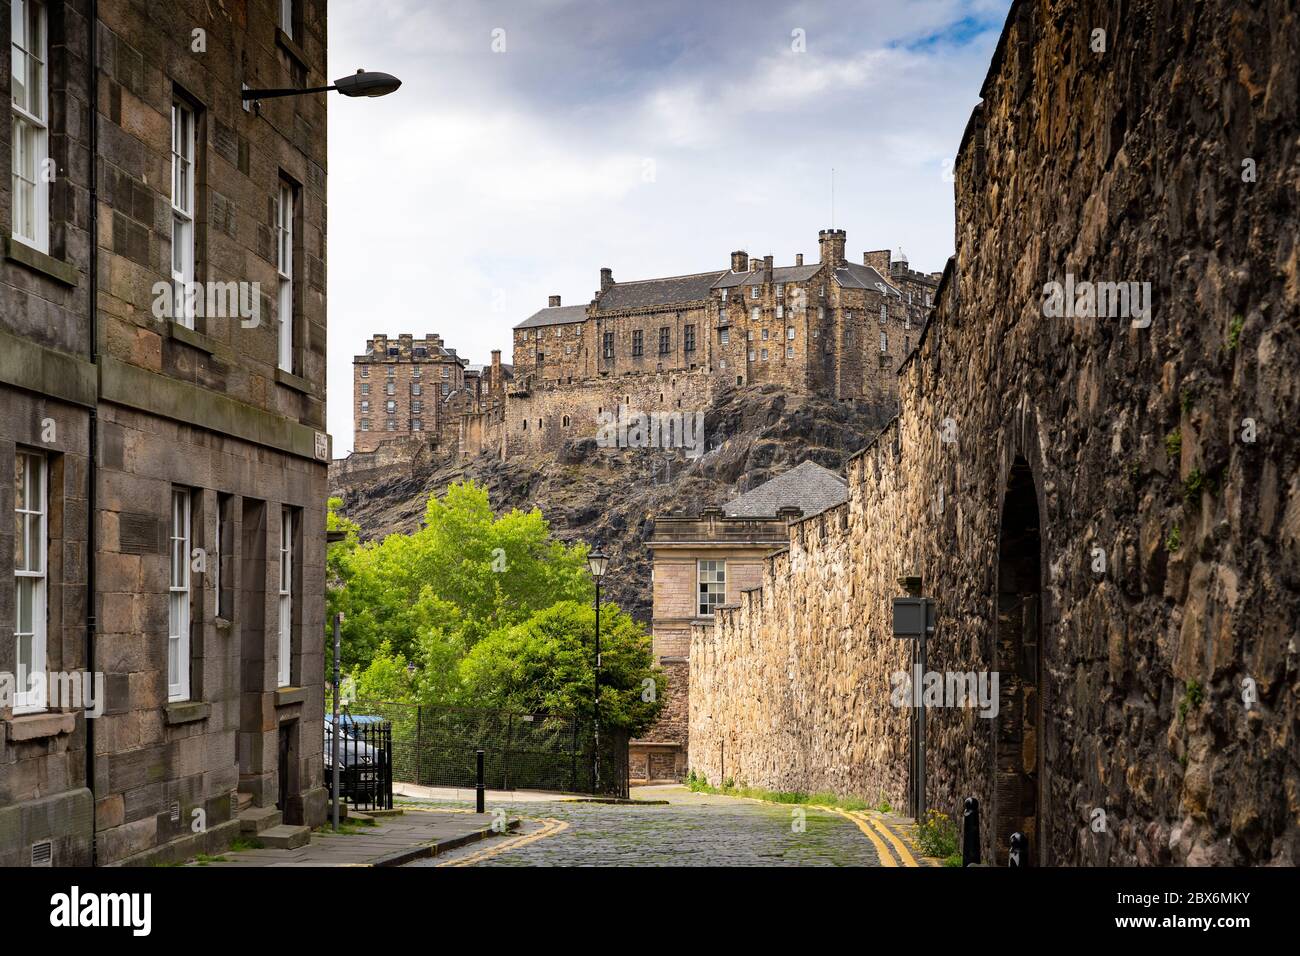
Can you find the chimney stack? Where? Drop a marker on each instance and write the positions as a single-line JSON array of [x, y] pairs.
[[553, 302], [798, 258], [832, 246], [606, 278], [767, 265], [878, 259], [739, 261]]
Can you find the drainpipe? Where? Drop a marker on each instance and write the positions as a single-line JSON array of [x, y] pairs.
[[92, 471]]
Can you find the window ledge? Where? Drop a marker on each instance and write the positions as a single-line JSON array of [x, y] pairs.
[[37, 261], [285, 696], [198, 340], [39, 726], [298, 384], [186, 712], [296, 53]]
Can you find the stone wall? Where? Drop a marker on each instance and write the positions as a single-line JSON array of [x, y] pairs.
[[1112, 527], [542, 418]]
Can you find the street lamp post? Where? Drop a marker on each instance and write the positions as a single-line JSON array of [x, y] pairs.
[[597, 562], [360, 83]]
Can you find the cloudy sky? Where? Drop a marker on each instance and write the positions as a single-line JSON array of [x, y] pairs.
[[534, 141]]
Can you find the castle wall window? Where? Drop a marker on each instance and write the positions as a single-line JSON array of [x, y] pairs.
[[365, 424], [390, 389], [722, 364], [559, 332], [884, 341], [751, 355], [178, 599], [789, 351], [446, 387], [780, 290], [391, 425], [417, 372], [764, 336], [780, 312], [390, 372], [821, 312], [365, 371], [417, 425], [284, 266], [764, 355], [638, 344], [688, 340], [30, 146], [365, 406], [884, 314], [608, 349], [754, 314], [665, 345], [365, 388], [417, 407], [754, 291], [446, 372], [724, 336], [789, 333], [182, 211], [391, 406], [713, 586], [415, 388], [31, 504]]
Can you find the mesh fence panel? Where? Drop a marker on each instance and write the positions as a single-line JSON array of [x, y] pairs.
[[435, 746]]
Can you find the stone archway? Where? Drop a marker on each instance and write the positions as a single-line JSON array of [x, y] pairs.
[[1018, 756]]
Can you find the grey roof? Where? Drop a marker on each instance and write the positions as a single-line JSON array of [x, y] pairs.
[[779, 274], [647, 293], [555, 315], [853, 276], [807, 486]]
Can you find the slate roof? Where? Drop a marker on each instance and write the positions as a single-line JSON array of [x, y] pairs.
[[807, 486], [854, 276], [730, 280], [555, 315], [647, 293]]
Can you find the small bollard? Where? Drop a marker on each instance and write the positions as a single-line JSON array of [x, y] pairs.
[[970, 833], [479, 791], [1019, 845]]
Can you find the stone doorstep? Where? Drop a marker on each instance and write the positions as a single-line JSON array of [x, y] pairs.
[[258, 819], [283, 836]]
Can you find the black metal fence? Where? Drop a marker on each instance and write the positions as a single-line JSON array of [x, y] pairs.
[[435, 746], [365, 752]]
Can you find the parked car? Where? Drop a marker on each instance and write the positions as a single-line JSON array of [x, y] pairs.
[[365, 777]]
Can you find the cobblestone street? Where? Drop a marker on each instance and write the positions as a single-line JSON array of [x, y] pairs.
[[690, 830]]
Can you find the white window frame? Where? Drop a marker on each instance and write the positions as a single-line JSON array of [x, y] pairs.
[[884, 342], [285, 627], [754, 291], [884, 314], [724, 337], [717, 572], [31, 525], [178, 597], [30, 149], [184, 122], [284, 266]]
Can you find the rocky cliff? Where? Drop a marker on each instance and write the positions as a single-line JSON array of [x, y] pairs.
[[612, 495]]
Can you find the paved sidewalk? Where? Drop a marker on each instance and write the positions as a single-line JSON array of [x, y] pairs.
[[392, 841]]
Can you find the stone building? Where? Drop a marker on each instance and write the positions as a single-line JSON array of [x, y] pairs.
[[833, 327], [164, 455], [704, 563], [405, 389], [1103, 503]]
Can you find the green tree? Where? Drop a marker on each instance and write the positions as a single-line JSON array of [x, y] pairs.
[[432, 595], [547, 664]]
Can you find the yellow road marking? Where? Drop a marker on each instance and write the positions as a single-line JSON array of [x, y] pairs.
[[550, 827], [899, 845], [886, 858]]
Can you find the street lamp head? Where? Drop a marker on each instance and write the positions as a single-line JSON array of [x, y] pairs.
[[362, 83], [596, 561]]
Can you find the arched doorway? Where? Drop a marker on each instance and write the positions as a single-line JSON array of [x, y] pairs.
[[1018, 750]]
